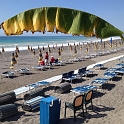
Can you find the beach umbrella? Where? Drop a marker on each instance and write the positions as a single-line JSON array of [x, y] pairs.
[[38, 47], [87, 49], [3, 51], [48, 45], [56, 45], [59, 53], [61, 48], [17, 50], [103, 45], [13, 61], [70, 47], [49, 50], [40, 55], [75, 50], [33, 51], [111, 43], [95, 47], [29, 50], [47, 19], [43, 49], [16, 54], [53, 48]]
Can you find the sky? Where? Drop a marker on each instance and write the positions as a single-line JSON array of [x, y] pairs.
[[110, 10]]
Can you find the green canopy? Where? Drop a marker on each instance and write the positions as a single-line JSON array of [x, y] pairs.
[[56, 19]]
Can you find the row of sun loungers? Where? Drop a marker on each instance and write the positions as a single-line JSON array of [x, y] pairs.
[[33, 98], [97, 83], [12, 74]]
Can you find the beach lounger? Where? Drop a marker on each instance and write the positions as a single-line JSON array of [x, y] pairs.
[[84, 72], [59, 63], [32, 104], [111, 69], [98, 66], [68, 61], [70, 76], [99, 82], [76, 60], [43, 83], [83, 89], [39, 67], [120, 65], [7, 74], [119, 70], [110, 75], [23, 71]]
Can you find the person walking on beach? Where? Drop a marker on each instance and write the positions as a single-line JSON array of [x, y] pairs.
[[46, 58]]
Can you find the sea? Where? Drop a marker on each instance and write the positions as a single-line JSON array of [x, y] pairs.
[[9, 43]]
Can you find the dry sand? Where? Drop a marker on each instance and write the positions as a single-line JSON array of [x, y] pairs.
[[108, 103]]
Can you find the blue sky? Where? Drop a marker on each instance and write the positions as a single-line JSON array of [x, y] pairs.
[[110, 10]]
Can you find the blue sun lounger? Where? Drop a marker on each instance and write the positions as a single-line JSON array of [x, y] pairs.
[[120, 65], [99, 82], [119, 70], [110, 75], [69, 76], [98, 65], [83, 89]]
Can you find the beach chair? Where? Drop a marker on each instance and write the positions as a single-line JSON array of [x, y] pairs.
[[69, 76], [7, 74], [23, 71], [88, 99], [84, 72], [58, 63], [39, 67], [120, 65], [76, 105], [98, 66], [68, 61], [99, 82], [110, 75], [119, 71], [32, 104]]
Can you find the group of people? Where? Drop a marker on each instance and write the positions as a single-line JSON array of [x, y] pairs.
[[47, 62]]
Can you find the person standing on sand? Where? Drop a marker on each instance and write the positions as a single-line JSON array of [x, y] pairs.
[[46, 58]]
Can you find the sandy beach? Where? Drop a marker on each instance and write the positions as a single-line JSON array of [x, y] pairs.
[[108, 104]]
